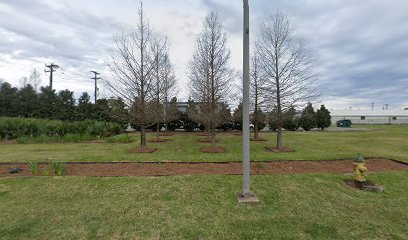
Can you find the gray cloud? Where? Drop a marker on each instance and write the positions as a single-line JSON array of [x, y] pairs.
[[230, 14], [361, 46]]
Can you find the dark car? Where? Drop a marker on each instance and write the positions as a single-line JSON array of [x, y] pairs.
[[343, 123]]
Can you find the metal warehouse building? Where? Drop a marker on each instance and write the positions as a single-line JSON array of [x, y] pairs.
[[371, 116]]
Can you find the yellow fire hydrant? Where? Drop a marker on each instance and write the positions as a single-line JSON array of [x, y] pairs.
[[360, 169]]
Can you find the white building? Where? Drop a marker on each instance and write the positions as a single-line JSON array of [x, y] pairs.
[[371, 116]]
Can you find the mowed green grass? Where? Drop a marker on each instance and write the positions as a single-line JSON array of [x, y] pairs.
[[378, 141], [309, 206]]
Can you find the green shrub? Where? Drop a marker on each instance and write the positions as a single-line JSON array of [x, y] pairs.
[[47, 170], [45, 130], [35, 167], [307, 119], [59, 168]]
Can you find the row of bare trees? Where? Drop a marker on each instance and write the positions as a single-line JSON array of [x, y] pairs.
[[281, 73]]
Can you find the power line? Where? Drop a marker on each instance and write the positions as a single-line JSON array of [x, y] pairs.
[[96, 78], [52, 68]]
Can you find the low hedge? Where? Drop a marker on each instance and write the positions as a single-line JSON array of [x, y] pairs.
[[12, 128]]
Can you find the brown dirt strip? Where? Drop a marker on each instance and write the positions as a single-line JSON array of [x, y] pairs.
[[234, 168]]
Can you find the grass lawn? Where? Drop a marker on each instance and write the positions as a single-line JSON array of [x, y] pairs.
[[309, 206], [379, 141]]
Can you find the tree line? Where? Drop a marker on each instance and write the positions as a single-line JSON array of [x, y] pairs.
[[25, 102], [143, 81], [49, 104]]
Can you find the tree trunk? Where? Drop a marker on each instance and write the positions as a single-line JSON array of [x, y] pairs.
[[279, 144], [166, 129], [158, 131], [279, 138], [142, 137], [278, 102], [256, 131], [213, 143]]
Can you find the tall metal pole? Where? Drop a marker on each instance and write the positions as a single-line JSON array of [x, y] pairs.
[[245, 105]]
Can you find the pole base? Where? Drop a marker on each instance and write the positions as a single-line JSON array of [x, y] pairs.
[[246, 198]]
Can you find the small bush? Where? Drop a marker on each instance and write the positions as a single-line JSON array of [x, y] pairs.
[[47, 170], [59, 168], [35, 167]]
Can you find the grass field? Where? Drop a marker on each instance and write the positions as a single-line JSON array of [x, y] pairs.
[[303, 206], [310, 206], [378, 141]]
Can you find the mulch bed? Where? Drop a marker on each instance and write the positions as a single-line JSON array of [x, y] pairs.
[[259, 139], [276, 150], [212, 149], [166, 134], [143, 150], [203, 134], [234, 168], [159, 140]]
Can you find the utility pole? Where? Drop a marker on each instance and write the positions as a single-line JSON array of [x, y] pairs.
[[372, 106], [246, 196], [51, 68], [96, 78]]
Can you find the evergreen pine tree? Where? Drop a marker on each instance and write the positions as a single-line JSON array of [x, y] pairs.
[[65, 106], [47, 103], [7, 94], [323, 118], [290, 121], [307, 120], [84, 108], [25, 103]]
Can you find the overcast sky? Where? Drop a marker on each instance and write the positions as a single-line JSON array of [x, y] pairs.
[[361, 46]]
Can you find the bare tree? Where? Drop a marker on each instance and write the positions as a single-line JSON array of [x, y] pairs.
[[257, 93], [159, 49], [164, 84], [169, 92], [210, 73], [132, 68], [287, 65], [35, 79]]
